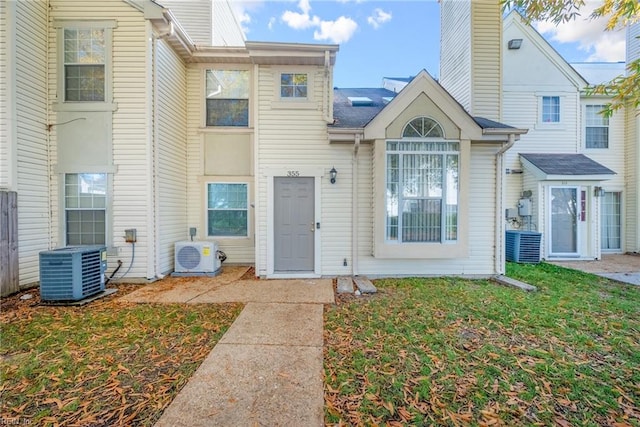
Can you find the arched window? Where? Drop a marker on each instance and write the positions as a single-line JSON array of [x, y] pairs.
[[423, 127]]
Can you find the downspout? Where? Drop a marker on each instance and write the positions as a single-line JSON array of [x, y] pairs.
[[354, 209], [153, 240], [326, 94], [500, 229]]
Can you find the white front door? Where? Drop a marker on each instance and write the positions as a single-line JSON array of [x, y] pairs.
[[565, 210]]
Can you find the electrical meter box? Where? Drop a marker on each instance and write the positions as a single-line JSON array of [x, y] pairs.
[[524, 207]]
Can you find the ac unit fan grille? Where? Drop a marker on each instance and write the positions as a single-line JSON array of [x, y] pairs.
[[189, 257]]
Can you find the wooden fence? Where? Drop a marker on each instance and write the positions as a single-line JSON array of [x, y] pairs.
[[8, 243]]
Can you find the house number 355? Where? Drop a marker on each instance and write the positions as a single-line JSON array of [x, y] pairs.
[[293, 173]]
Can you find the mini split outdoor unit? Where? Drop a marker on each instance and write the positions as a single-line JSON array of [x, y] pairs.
[[72, 273], [196, 257], [523, 246]]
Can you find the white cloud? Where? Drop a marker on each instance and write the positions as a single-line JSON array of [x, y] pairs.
[[242, 9], [301, 21], [378, 18], [590, 34], [338, 31], [271, 23]]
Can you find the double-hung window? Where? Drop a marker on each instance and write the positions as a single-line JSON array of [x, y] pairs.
[[227, 97], [422, 186], [84, 64], [227, 209], [550, 109], [596, 131], [85, 200]]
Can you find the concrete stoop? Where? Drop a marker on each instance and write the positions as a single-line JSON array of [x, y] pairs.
[[362, 285]]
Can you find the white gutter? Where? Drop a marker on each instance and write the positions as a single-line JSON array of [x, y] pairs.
[[499, 255], [354, 209]]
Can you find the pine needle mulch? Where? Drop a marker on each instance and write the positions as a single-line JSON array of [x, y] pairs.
[[455, 352], [106, 363]]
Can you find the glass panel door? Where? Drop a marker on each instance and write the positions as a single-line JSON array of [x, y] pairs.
[[610, 225], [564, 220]]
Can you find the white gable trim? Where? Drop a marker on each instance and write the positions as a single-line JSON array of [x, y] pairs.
[[533, 36], [423, 83]]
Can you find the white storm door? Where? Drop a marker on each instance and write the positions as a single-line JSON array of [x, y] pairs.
[[564, 211]]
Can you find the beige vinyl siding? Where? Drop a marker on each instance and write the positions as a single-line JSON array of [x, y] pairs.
[[455, 50], [481, 228], [633, 42], [632, 179], [195, 16], [470, 59], [4, 108], [486, 67], [195, 151], [521, 109], [226, 28], [131, 125], [294, 139], [612, 157], [171, 155], [238, 250], [31, 134]]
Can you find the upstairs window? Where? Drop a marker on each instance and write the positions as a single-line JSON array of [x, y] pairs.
[[293, 85], [227, 97], [84, 64], [423, 127], [596, 127], [550, 109]]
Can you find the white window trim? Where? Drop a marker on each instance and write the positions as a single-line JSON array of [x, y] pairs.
[[584, 128], [442, 198], [107, 105], [62, 207], [206, 210], [285, 103], [415, 250], [203, 102], [550, 125]]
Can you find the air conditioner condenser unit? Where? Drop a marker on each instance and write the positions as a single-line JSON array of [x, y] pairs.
[[72, 273], [196, 258]]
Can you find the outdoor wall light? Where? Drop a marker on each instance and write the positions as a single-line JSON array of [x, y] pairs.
[[333, 173], [515, 44], [598, 191]]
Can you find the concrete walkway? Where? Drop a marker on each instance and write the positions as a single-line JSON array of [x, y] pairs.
[[267, 370], [621, 267]]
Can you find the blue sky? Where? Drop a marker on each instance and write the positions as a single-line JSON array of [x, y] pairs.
[[395, 38]]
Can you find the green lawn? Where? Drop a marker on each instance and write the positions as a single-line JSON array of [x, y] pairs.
[[104, 364], [454, 352]]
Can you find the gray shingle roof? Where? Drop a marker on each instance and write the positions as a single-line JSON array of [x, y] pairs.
[[490, 124], [566, 164], [348, 116]]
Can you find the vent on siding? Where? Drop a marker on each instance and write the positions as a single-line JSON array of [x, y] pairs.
[[523, 246]]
